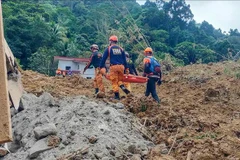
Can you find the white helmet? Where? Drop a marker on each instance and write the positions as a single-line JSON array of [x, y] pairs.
[[94, 46]]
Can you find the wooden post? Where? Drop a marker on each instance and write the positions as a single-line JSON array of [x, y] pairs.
[[5, 116]]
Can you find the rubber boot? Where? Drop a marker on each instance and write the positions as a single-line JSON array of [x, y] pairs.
[[125, 90], [96, 90], [116, 96]]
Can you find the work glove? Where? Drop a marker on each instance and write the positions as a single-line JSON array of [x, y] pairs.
[[127, 71], [159, 82], [103, 71], [97, 70]]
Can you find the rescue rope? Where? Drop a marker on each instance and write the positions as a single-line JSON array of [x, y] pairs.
[[138, 29], [124, 27], [146, 43]]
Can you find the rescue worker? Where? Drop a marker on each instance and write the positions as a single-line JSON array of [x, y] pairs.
[[95, 60], [64, 73], [69, 72], [118, 65], [132, 70], [154, 75], [58, 72]]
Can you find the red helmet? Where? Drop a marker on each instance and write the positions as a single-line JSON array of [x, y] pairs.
[[113, 38], [148, 49]]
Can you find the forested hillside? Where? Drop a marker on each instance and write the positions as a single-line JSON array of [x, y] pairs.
[[37, 30]]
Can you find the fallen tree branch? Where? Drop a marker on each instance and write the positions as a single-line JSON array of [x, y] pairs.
[[145, 134], [121, 150], [189, 154], [75, 153], [173, 142]]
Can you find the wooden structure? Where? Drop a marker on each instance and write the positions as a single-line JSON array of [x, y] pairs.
[[5, 116]]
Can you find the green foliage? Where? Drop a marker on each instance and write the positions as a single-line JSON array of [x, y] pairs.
[[172, 60], [222, 47], [42, 61], [207, 28], [208, 135], [204, 54], [232, 72], [191, 53], [186, 52], [37, 30], [143, 107], [237, 75]]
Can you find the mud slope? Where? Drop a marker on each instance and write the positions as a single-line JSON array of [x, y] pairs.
[[199, 116]]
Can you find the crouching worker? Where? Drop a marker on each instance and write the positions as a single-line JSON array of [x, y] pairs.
[[132, 70], [118, 65], [58, 72], [95, 60], [152, 70]]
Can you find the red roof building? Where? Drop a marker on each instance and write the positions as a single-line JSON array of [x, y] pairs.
[[76, 65]]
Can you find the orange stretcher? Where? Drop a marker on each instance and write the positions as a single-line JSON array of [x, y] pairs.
[[131, 78]]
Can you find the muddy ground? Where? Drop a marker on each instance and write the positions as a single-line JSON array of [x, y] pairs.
[[199, 114], [75, 128]]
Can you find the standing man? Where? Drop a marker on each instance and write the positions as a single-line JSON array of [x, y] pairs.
[[132, 70], [152, 70], [69, 72], [118, 65], [95, 60]]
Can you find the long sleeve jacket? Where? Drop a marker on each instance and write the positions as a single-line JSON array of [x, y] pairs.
[[117, 56]]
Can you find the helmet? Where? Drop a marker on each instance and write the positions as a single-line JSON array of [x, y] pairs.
[[148, 49], [127, 54], [94, 46], [113, 38]]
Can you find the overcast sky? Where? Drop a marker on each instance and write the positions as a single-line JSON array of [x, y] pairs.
[[221, 14]]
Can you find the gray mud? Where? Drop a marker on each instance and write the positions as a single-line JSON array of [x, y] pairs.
[[96, 127]]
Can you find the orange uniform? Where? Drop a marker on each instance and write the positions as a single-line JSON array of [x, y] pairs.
[[95, 61], [97, 82], [118, 64], [58, 72]]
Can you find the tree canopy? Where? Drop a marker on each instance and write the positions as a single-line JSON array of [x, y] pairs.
[[38, 30]]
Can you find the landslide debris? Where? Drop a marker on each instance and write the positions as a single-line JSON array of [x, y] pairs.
[[74, 128], [199, 114]]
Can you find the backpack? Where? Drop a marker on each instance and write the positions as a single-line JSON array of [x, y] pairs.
[[155, 66]]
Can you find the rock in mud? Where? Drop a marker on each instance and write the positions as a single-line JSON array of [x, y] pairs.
[[45, 130], [136, 157], [3, 152], [39, 147], [76, 119]]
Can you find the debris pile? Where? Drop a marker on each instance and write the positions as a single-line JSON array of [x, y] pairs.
[[198, 118], [51, 129], [37, 83], [199, 113]]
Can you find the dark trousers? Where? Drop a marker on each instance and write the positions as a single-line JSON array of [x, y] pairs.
[[151, 88]]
